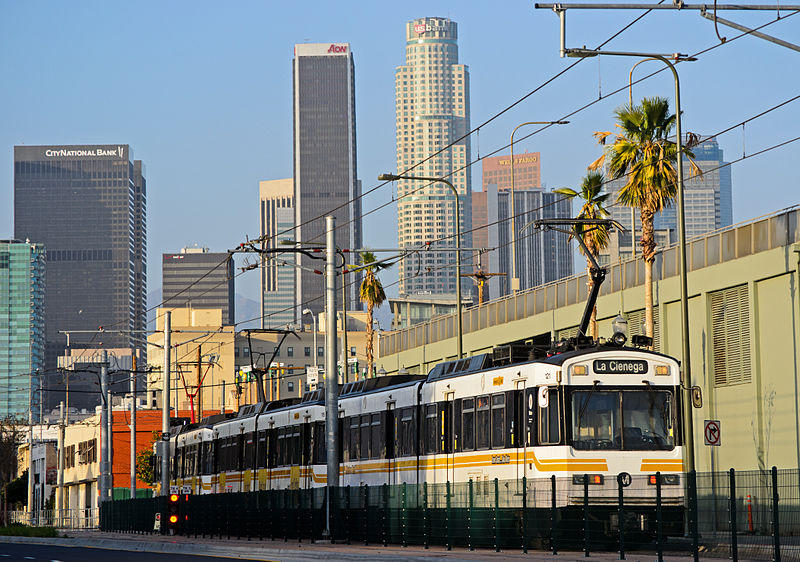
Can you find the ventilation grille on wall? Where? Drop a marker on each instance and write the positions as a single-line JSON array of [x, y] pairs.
[[730, 336]]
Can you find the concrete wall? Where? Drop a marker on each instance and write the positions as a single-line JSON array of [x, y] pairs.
[[759, 413]]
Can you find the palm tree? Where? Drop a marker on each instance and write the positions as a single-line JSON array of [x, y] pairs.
[[371, 292], [595, 238], [644, 153]]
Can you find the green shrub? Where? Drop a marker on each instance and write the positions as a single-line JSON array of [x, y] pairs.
[[19, 530]]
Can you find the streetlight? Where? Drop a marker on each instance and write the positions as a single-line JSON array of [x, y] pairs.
[[514, 278], [314, 324], [685, 358], [393, 177]]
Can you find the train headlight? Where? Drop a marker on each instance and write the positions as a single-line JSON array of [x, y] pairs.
[[619, 339], [594, 479], [580, 370], [666, 479], [662, 370]]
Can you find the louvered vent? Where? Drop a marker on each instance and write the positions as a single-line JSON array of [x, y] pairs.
[[567, 333], [636, 326], [730, 336]]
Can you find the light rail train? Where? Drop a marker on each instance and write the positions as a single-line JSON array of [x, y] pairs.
[[592, 409]]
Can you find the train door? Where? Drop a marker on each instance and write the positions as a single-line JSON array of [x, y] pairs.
[[516, 430], [307, 438], [389, 439], [446, 435]]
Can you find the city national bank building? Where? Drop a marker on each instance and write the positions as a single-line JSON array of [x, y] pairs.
[[86, 205]]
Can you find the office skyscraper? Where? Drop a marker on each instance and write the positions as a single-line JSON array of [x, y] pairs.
[[277, 273], [542, 256], [197, 278], [527, 171], [432, 112], [325, 175], [86, 204], [22, 271], [708, 203]]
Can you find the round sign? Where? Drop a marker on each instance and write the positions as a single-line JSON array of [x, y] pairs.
[[624, 479], [712, 432]]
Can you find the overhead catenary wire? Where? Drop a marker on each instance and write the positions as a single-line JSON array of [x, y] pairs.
[[483, 124]]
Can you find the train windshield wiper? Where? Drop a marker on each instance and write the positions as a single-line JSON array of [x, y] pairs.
[[585, 404]]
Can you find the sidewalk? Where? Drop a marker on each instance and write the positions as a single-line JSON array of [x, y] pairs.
[[292, 551]]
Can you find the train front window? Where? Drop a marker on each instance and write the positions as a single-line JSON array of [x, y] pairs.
[[627, 420]]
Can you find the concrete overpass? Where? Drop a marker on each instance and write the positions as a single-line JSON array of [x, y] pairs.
[[744, 315]]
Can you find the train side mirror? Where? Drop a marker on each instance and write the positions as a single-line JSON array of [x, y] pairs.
[[697, 397]]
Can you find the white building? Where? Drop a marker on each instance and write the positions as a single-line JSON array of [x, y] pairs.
[[432, 111]]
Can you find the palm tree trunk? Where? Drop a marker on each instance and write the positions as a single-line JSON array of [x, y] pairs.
[[370, 335], [590, 246], [648, 255]]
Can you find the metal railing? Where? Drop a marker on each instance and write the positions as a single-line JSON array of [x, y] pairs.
[[732, 242], [62, 519], [754, 514]]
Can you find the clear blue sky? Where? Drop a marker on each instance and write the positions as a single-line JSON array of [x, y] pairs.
[[202, 92]]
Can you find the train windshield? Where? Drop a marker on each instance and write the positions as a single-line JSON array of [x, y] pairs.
[[625, 420]]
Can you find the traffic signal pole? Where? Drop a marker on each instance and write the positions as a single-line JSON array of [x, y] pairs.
[[165, 405]]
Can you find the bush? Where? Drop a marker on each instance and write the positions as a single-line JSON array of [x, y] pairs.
[[20, 530]]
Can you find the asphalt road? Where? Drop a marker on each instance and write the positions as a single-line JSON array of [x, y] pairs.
[[48, 553]]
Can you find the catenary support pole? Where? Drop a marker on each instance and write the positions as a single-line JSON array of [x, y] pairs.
[[104, 411], [30, 451], [165, 405], [133, 425], [331, 379], [61, 459]]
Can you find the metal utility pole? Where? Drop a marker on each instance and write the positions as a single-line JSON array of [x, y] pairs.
[[30, 451], [105, 411], [331, 378], [165, 405], [61, 459], [200, 382], [133, 425]]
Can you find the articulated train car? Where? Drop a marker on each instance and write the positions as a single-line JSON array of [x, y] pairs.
[[596, 410]]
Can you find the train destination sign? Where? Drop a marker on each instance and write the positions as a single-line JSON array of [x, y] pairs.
[[620, 366]]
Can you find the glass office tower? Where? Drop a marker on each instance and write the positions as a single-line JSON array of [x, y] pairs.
[[325, 178], [21, 327], [86, 204], [197, 278]]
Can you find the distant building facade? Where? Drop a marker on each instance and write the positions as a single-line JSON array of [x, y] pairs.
[[432, 112], [708, 203], [87, 205], [22, 326], [278, 275], [197, 278], [527, 171], [325, 174], [542, 255]]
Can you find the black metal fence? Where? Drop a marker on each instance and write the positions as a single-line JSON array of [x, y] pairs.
[[754, 514]]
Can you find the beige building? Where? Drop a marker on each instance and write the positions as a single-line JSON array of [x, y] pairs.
[[226, 360], [202, 350]]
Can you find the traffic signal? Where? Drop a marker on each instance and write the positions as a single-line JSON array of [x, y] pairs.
[[174, 513]]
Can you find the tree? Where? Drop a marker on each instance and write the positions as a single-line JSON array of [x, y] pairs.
[[644, 153], [10, 438], [371, 292], [144, 461], [595, 237]]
